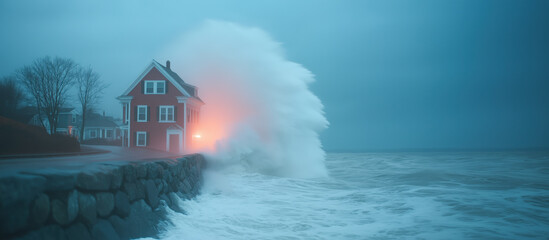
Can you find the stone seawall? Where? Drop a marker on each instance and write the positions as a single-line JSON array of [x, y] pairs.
[[118, 201]]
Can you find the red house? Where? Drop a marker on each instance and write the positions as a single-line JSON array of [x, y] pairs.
[[160, 111]]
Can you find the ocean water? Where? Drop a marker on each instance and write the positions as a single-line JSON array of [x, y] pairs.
[[378, 196]]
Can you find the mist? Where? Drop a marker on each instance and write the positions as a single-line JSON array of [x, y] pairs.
[[392, 75], [260, 111]]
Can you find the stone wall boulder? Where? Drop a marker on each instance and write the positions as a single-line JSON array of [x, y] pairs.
[[105, 203], [97, 181], [40, 209], [87, 208], [104, 230], [115, 201], [64, 211], [122, 204]]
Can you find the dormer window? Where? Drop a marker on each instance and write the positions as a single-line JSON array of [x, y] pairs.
[[155, 87]]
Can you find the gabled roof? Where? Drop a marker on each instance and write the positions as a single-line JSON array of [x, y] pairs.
[[65, 110], [97, 120], [187, 89]]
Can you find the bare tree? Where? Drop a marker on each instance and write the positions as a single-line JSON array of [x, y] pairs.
[[48, 80], [90, 88], [11, 98]]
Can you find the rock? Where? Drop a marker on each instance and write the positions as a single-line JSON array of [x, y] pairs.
[[140, 189], [97, 181], [72, 205], [64, 213], [151, 193], [13, 218], [141, 170], [130, 188], [20, 188], [78, 231], [88, 210], [184, 187], [188, 185], [16, 196], [166, 199], [135, 190], [143, 221], [121, 227], [159, 185], [50, 232], [40, 209], [105, 203], [104, 230], [155, 170], [122, 204], [165, 187], [60, 181], [117, 177], [174, 200], [167, 177], [129, 173]]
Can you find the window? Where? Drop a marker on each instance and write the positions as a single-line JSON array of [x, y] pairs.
[[108, 133], [93, 133], [73, 118], [160, 87], [166, 114], [149, 87], [155, 87], [141, 140], [142, 113]]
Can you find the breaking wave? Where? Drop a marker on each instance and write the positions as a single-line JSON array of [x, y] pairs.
[[259, 110]]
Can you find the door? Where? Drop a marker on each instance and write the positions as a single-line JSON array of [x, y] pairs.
[[173, 146]]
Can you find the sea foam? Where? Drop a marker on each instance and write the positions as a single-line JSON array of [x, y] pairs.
[[259, 109]]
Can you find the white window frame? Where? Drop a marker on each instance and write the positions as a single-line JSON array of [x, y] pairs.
[[155, 86], [144, 134], [94, 131], [139, 107], [167, 107]]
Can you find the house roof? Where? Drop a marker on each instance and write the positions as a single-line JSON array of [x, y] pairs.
[[65, 110], [96, 120], [189, 88], [185, 88]]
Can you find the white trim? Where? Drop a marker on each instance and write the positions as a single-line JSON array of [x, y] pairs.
[[181, 99], [137, 139], [185, 126], [167, 107], [155, 87], [174, 132], [161, 70], [126, 107], [125, 99], [146, 111], [129, 122]]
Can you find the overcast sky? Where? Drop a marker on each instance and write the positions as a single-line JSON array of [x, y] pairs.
[[391, 74]]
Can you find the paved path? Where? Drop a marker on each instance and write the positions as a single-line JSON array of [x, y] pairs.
[[113, 155]]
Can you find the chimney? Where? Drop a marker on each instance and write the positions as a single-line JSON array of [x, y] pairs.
[[168, 64]]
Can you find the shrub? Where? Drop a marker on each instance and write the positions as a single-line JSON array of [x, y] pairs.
[[17, 138]]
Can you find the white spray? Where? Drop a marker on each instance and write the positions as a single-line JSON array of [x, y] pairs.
[[259, 110]]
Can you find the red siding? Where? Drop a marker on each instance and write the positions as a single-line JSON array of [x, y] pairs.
[[156, 130]]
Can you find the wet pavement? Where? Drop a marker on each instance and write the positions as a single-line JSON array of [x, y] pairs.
[[105, 155]]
